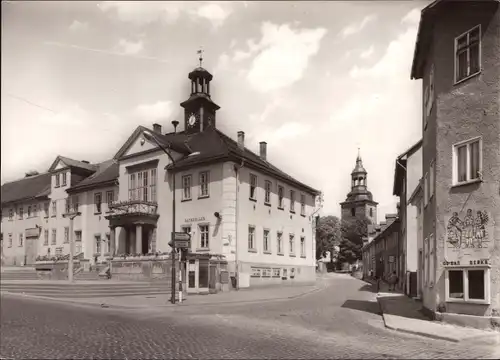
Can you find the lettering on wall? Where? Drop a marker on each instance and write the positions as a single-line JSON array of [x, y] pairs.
[[468, 236], [196, 219]]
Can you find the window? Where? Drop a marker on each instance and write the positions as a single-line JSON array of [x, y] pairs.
[[292, 244], [110, 197], [266, 240], [54, 237], [97, 202], [432, 272], [145, 187], [276, 272], [35, 210], [67, 206], [153, 185], [431, 179], [279, 242], [63, 179], [186, 187], [467, 285], [66, 235], [76, 203], [11, 214], [251, 238], [57, 180], [302, 204], [371, 212], [292, 201], [78, 235], [132, 187], [266, 272], [204, 181], [54, 208], [302, 246], [253, 186], [29, 211], [59, 251], [267, 194], [45, 237], [353, 212], [97, 239], [467, 161], [78, 248], [255, 272], [21, 213], [10, 241], [426, 189], [204, 236], [46, 209], [281, 192], [20, 240], [468, 55]]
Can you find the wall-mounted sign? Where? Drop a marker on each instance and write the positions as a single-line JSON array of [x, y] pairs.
[[468, 236], [391, 258], [480, 262], [451, 263], [196, 219], [32, 232]]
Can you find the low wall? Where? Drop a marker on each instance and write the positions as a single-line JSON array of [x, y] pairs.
[[478, 322], [48, 270], [143, 269]]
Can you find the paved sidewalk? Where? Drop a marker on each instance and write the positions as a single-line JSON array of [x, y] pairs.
[[154, 301], [402, 313]]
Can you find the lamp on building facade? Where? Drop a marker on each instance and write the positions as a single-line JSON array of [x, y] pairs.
[[150, 136]]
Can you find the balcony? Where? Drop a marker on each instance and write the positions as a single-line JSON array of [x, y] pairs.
[[131, 212]]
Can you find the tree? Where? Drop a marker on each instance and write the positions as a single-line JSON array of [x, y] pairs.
[[353, 231], [328, 235]]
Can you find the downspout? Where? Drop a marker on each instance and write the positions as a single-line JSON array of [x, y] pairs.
[[236, 169]]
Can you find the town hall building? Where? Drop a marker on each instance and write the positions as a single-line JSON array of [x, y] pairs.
[[238, 207]]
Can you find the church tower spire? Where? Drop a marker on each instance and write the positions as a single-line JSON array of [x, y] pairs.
[[359, 201], [199, 109]]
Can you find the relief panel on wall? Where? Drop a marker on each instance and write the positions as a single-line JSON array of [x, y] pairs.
[[468, 236]]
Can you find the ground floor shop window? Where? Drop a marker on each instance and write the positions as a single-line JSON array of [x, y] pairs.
[[469, 285]]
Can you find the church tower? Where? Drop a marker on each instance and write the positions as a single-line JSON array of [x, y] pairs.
[[199, 109], [359, 200]]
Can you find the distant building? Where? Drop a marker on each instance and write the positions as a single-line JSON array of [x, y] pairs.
[[407, 173], [359, 202], [235, 204], [457, 56]]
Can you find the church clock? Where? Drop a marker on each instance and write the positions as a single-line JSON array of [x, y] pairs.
[[192, 120]]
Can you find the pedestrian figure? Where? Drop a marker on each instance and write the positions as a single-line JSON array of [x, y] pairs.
[[393, 280]]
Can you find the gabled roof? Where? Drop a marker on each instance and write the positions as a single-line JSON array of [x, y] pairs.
[[176, 143], [32, 187], [72, 164], [399, 171], [106, 174], [213, 145]]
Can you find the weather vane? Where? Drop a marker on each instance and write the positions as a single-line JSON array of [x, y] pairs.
[[200, 52]]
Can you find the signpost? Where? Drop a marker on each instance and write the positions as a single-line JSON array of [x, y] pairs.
[[182, 241]]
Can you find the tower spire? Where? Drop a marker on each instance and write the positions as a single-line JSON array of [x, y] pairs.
[[200, 52]]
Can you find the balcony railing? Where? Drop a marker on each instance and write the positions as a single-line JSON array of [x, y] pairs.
[[133, 207]]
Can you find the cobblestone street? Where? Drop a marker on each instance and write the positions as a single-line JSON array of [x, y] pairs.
[[341, 321]]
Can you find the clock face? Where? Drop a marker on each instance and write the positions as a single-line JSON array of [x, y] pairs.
[[192, 119]]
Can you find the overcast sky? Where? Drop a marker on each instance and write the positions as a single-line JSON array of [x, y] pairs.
[[316, 80]]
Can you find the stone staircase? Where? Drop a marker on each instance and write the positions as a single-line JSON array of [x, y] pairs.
[[86, 289], [18, 273]]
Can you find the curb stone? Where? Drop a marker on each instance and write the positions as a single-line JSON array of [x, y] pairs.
[[413, 332]]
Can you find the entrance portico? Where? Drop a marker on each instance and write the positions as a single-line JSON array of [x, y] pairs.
[[138, 219]]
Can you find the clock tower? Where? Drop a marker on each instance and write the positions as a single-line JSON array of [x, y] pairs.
[[199, 109]]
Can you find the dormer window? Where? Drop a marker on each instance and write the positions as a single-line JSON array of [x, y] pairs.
[[57, 180], [63, 179]]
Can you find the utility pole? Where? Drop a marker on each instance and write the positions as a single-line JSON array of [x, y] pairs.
[[71, 215]]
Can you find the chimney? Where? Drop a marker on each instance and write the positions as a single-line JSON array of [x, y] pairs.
[[157, 128], [263, 150], [390, 218], [241, 139]]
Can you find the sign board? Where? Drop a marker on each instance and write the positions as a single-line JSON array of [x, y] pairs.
[[196, 219], [181, 236], [182, 244], [32, 232]]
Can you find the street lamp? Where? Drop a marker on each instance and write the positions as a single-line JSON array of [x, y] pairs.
[[71, 215], [150, 136]]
